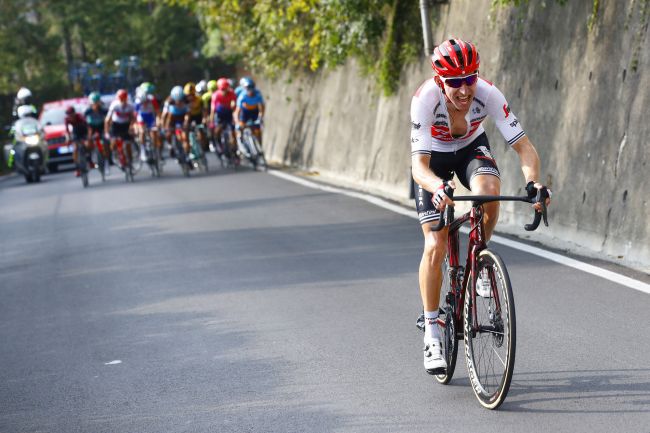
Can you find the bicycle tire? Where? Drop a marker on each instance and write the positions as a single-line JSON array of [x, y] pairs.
[[488, 337], [448, 332], [82, 163], [260, 159]]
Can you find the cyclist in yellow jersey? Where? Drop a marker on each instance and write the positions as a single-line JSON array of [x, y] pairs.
[[206, 98], [195, 112]]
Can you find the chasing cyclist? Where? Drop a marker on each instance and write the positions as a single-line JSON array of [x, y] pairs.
[[195, 113], [147, 108], [447, 138], [95, 115], [76, 130], [250, 108], [221, 114], [119, 121], [175, 111]]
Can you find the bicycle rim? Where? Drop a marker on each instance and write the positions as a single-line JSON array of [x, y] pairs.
[[490, 343], [448, 331]]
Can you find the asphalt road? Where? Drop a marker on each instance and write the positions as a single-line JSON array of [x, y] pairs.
[[241, 302]]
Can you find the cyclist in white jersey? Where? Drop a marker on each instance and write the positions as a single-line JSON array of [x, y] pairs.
[[447, 138], [119, 119]]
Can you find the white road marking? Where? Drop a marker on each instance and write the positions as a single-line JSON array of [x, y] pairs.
[[117, 361], [554, 257]]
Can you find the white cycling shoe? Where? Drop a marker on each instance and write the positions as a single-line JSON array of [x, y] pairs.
[[483, 286], [434, 363]]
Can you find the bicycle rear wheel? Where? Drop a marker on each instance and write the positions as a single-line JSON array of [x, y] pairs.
[[447, 325], [490, 334]]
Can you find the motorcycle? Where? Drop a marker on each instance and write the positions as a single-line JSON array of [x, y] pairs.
[[28, 153]]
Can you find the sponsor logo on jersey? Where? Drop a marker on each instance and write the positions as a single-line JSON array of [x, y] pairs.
[[506, 110], [514, 123], [416, 125]]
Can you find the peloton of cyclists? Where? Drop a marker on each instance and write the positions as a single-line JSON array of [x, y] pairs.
[[447, 138]]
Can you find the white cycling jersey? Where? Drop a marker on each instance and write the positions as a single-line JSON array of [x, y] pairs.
[[119, 112], [430, 119]]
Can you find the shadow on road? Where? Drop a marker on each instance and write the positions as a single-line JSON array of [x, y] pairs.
[[607, 391]]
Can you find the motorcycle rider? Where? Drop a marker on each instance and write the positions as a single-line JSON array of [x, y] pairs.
[[24, 99]]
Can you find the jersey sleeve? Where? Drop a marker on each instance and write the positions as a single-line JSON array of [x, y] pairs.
[[422, 121], [505, 120]]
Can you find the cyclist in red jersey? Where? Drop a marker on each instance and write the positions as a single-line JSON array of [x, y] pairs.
[[76, 132], [221, 113], [447, 138]]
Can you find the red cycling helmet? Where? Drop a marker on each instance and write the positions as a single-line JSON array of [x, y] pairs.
[[455, 57], [122, 95], [222, 84]]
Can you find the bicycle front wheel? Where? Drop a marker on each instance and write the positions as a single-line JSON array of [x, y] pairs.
[[490, 332]]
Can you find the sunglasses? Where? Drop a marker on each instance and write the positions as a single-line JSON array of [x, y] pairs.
[[456, 83]]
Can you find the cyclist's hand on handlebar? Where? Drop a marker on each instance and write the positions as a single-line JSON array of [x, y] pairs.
[[440, 199], [537, 191]]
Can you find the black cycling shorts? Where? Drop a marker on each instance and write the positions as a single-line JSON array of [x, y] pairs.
[[120, 130], [475, 159], [197, 119]]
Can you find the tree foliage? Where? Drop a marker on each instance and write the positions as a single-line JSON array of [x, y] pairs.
[[41, 39], [273, 36]]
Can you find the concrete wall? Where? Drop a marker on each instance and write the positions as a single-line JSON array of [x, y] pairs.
[[581, 96]]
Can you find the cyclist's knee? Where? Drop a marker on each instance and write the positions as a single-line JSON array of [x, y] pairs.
[[486, 185], [435, 247]]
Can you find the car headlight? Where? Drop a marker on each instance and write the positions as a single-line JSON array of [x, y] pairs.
[[32, 140]]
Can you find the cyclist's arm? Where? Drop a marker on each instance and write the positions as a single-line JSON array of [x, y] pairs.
[[422, 174], [528, 158], [422, 106], [108, 119]]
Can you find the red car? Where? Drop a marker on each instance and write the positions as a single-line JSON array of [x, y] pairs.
[[52, 119]]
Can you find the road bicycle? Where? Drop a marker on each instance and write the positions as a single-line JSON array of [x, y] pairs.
[[177, 148], [126, 149], [99, 145], [250, 145], [82, 161], [223, 147], [151, 153], [487, 318], [197, 155]]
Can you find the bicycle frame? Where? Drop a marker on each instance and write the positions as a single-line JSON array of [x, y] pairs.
[[476, 245]]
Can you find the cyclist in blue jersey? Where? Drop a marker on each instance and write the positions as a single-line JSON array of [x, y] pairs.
[[175, 111], [242, 86], [250, 108], [147, 109]]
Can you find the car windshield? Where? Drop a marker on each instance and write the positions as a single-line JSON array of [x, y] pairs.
[[53, 116], [56, 116]]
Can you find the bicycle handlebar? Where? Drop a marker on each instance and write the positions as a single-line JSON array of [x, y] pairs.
[[447, 216]]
